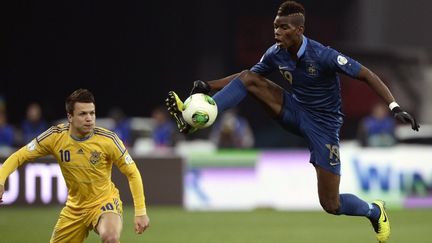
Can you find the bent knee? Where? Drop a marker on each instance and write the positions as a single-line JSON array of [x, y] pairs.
[[110, 237], [330, 206], [249, 78]]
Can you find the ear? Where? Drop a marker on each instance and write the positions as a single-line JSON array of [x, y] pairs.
[[300, 29], [69, 117]]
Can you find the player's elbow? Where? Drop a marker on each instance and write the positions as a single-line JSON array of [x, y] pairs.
[[132, 174]]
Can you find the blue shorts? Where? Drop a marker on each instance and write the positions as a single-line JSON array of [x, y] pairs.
[[323, 140]]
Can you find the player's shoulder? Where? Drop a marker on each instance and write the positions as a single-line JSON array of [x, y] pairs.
[[53, 131], [320, 52], [109, 136], [274, 49], [317, 48], [102, 129], [270, 53], [103, 132]]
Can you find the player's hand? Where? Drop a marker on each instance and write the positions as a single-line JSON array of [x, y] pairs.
[[1, 193], [141, 223], [405, 117], [200, 86]]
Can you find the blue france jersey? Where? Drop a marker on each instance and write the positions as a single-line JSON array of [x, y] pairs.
[[313, 77]]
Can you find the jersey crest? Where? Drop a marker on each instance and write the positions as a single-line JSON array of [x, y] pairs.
[[311, 69], [95, 157]]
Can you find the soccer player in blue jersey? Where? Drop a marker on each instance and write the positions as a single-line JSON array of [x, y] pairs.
[[312, 109]]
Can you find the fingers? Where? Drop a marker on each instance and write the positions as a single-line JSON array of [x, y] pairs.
[[410, 119], [141, 224], [405, 117], [139, 229], [414, 125]]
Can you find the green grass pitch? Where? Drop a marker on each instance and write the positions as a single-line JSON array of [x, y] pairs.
[[34, 224]]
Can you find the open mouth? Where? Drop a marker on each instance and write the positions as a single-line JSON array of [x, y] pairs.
[[278, 42]]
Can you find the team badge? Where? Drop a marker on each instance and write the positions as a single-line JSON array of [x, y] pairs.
[[128, 159], [32, 145], [95, 157], [312, 70], [342, 60]]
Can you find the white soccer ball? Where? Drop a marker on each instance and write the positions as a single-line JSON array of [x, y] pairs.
[[200, 110]]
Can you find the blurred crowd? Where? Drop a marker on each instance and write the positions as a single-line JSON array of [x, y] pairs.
[[32, 125], [156, 133], [144, 135], [378, 128]]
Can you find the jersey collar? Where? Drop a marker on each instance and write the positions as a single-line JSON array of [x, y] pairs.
[[80, 139], [302, 49]]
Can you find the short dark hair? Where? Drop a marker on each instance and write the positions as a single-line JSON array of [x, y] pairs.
[[291, 7], [79, 95]]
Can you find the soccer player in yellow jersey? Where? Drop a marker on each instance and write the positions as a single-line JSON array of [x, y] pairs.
[[86, 155]]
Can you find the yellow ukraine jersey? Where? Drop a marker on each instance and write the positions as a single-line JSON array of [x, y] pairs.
[[86, 165]]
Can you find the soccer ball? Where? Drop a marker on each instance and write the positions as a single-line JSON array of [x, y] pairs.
[[199, 110]]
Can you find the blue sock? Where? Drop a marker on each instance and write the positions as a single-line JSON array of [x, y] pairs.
[[230, 95], [352, 205]]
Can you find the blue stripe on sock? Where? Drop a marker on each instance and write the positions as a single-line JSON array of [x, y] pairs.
[[230, 95]]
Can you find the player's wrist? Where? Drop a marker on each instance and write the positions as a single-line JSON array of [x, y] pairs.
[[393, 106]]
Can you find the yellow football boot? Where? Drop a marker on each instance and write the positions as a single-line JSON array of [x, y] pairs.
[[175, 108], [382, 225]]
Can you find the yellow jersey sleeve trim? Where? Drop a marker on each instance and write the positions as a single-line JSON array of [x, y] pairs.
[[52, 130], [113, 137]]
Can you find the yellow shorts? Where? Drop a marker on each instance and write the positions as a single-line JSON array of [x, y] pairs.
[[74, 225]]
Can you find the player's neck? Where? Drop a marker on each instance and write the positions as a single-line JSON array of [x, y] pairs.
[[76, 135], [293, 50]]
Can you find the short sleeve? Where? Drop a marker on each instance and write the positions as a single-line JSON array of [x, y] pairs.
[[335, 61], [265, 66]]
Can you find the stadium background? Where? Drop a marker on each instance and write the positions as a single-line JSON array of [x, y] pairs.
[[131, 53]]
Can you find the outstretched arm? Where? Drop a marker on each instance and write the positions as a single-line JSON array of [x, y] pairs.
[[382, 90], [32, 151], [128, 167], [218, 84], [376, 84], [205, 87]]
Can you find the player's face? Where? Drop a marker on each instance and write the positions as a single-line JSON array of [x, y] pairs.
[[287, 35], [83, 119]]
